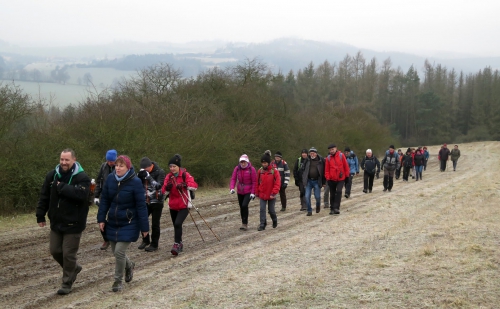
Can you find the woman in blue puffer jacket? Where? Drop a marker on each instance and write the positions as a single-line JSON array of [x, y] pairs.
[[122, 215]]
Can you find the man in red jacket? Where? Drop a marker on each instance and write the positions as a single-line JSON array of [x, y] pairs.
[[268, 185], [336, 172]]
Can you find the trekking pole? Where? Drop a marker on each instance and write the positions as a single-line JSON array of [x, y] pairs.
[[206, 222], [196, 225]]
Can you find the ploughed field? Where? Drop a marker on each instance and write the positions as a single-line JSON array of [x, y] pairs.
[[427, 244]]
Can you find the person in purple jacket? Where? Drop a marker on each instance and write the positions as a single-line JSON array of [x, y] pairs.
[[244, 178]]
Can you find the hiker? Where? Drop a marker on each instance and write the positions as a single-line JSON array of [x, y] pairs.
[[426, 157], [443, 156], [398, 170], [152, 177], [244, 178], [268, 186], [371, 165], [65, 199], [177, 185], [413, 167], [419, 161], [106, 168], [407, 164], [455, 154], [389, 165], [123, 215], [336, 172], [313, 178], [353, 162], [298, 169], [284, 171]]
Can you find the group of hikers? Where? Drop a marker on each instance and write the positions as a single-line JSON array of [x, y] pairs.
[[126, 197]]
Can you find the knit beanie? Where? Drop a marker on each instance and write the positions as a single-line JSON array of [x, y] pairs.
[[145, 162], [176, 160], [266, 158], [408, 150], [313, 150], [244, 157], [126, 160], [278, 154], [347, 149], [111, 155], [304, 151]]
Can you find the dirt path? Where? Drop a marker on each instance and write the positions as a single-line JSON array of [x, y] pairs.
[[427, 244]]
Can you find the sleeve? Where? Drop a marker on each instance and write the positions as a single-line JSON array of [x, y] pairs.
[[347, 169], [157, 184], [357, 164], [286, 173], [383, 160], [254, 181], [43, 202], [191, 184], [398, 162], [296, 169], [323, 178], [78, 191], [458, 153], [140, 204], [363, 164], [99, 182], [257, 184], [377, 163], [232, 184], [327, 168], [105, 203], [168, 179], [277, 183]]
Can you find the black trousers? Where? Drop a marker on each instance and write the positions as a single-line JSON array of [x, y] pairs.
[[406, 172], [335, 193], [348, 184], [283, 197], [178, 217], [302, 190], [398, 172], [155, 210], [368, 181], [443, 165], [425, 164], [244, 200]]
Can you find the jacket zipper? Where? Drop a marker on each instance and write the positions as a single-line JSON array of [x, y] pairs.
[[116, 211]]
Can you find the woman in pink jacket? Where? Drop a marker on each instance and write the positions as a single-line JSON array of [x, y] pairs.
[[244, 178], [176, 186]]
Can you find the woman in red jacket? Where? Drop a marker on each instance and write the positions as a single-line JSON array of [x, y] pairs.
[[268, 185], [176, 186], [336, 171]]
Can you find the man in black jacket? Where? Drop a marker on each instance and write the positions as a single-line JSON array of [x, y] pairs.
[[65, 197], [106, 168], [297, 175], [152, 177]]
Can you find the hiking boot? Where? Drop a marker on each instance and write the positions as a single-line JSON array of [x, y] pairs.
[[303, 209], [151, 248], [105, 245], [261, 228], [385, 189], [389, 190], [129, 272], [283, 208], [318, 208], [364, 191], [336, 212], [347, 195], [176, 248], [143, 245], [326, 206], [64, 290], [77, 271], [117, 286], [309, 213], [370, 191], [331, 212], [181, 247], [244, 227], [275, 224]]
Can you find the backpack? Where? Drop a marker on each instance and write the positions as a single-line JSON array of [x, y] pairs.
[[191, 193], [260, 172]]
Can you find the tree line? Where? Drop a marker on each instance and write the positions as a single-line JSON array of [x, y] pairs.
[[213, 118]]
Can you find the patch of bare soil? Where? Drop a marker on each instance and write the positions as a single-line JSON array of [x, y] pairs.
[[427, 244]]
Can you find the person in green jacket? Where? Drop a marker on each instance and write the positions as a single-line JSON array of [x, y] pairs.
[[455, 154]]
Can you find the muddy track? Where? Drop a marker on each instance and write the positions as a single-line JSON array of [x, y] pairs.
[[29, 276]]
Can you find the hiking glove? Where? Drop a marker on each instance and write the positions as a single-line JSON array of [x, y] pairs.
[[169, 186], [96, 201], [283, 186], [231, 191], [252, 196], [181, 185]]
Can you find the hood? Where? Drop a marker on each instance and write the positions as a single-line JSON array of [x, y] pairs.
[[76, 169]]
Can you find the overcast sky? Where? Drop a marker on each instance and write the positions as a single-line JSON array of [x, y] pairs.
[[391, 25]]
